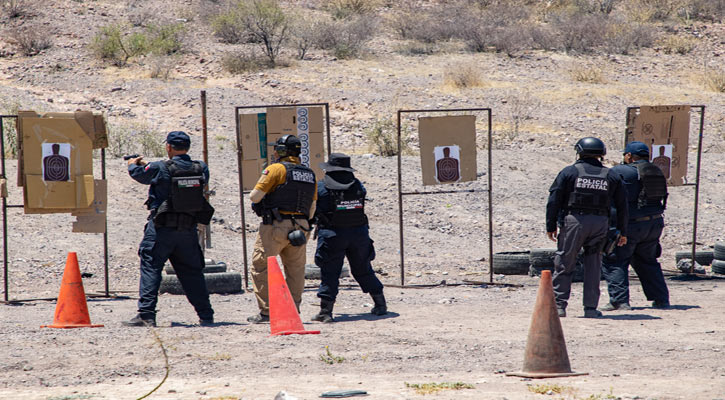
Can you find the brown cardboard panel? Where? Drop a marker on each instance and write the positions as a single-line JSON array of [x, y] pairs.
[[251, 171], [317, 153], [290, 120], [74, 190], [3, 187], [249, 136], [90, 224], [99, 206], [100, 140], [77, 193], [458, 131], [666, 125]]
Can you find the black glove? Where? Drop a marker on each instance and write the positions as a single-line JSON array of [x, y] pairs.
[[258, 209]]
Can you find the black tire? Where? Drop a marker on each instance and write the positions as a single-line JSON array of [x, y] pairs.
[[511, 263], [536, 271], [313, 272], [719, 251], [208, 269], [718, 267], [542, 258], [222, 282], [702, 257]]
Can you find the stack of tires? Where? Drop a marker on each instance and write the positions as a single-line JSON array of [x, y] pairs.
[[543, 259], [218, 280], [511, 262], [718, 263], [702, 257]]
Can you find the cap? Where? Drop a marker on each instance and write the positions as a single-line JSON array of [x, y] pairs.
[[178, 139], [337, 162], [637, 149]]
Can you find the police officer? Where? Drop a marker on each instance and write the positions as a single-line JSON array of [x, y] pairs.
[[579, 202], [343, 232], [176, 201], [284, 197], [647, 197]]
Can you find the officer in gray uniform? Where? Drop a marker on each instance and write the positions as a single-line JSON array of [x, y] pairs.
[[577, 215]]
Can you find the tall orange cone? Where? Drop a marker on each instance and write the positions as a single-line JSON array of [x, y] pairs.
[[545, 355], [283, 316], [71, 311]]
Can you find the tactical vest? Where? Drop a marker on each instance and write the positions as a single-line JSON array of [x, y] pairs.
[[654, 185], [296, 193], [591, 190], [187, 187], [349, 207], [186, 204]]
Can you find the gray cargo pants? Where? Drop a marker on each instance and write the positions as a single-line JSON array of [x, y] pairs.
[[579, 230]]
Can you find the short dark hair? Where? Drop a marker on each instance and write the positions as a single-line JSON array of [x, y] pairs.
[[179, 148]]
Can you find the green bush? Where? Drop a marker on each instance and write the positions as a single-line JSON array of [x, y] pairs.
[[382, 137], [112, 43], [134, 138], [229, 27], [239, 62], [341, 9], [346, 39], [9, 128]]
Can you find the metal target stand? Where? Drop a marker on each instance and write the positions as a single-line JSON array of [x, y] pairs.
[[240, 157], [5, 207], [401, 193], [630, 110]]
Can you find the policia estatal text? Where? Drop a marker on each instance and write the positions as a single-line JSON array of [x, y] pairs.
[[177, 204], [577, 215]]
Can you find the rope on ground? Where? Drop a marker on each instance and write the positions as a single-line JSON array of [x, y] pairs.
[[166, 362]]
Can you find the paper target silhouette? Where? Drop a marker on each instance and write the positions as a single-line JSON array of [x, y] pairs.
[[447, 163], [56, 162]]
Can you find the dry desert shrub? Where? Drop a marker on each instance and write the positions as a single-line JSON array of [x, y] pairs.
[[346, 38], [31, 40], [462, 76], [118, 44], [706, 10], [588, 73], [132, 138], [342, 9], [427, 25], [160, 66], [17, 8], [677, 44], [382, 137], [714, 79], [305, 35], [240, 62], [651, 10], [520, 107]]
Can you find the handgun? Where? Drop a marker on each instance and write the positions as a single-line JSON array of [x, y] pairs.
[[128, 157]]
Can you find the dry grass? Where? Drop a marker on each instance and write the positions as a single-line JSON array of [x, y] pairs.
[[678, 44], [582, 72], [430, 388], [463, 76], [714, 79], [31, 40]]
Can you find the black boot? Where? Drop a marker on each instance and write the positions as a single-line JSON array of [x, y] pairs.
[[380, 307], [325, 314]]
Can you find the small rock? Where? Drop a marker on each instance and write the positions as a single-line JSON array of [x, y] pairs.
[[284, 396]]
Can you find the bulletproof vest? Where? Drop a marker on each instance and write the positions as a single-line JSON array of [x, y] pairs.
[[349, 207], [296, 193], [187, 187], [654, 185], [591, 189]]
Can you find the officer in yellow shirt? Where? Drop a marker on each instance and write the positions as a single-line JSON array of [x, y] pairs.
[[285, 197]]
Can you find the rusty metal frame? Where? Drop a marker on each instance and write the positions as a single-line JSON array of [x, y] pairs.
[[5, 207], [401, 193], [697, 175], [240, 154]]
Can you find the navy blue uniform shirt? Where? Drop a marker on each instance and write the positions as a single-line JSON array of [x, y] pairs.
[[157, 175], [556, 207], [630, 176]]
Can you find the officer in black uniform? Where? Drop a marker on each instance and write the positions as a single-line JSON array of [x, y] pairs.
[[647, 198], [343, 232], [579, 202], [176, 201]]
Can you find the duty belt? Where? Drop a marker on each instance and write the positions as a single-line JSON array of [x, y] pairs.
[[647, 218], [588, 212]]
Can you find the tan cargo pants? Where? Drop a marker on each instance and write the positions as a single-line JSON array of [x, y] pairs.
[[272, 241]]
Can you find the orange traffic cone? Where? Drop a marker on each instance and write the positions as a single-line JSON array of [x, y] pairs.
[[283, 316], [545, 355], [71, 311]]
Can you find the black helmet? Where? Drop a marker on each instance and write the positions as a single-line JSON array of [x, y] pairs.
[[590, 147], [288, 145]]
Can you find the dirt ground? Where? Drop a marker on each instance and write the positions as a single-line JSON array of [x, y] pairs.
[[468, 334]]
